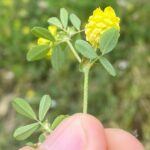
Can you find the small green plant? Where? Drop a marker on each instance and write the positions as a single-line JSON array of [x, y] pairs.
[[40, 123], [102, 33]]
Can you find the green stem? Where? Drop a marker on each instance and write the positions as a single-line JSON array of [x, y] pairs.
[[45, 127], [85, 93], [77, 32], [74, 51]]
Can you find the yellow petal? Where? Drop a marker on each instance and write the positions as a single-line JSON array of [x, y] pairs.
[[42, 41], [109, 11], [52, 30], [98, 11]]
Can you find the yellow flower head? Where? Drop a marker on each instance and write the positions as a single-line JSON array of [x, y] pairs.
[[99, 22], [43, 41]]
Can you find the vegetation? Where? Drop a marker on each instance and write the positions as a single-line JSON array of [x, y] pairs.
[[122, 101]]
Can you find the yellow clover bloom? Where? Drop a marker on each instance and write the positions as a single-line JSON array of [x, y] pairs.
[[99, 22], [43, 41]]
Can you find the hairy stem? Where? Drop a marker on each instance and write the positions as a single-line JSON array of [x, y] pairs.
[[85, 93], [74, 51], [45, 127]]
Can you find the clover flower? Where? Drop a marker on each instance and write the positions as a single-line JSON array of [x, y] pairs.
[[99, 22]]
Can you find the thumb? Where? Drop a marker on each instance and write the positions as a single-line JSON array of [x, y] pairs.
[[78, 132]]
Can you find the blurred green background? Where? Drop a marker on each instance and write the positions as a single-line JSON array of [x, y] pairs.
[[122, 102]]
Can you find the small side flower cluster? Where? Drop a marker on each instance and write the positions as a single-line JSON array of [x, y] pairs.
[[44, 41], [99, 22], [51, 41]]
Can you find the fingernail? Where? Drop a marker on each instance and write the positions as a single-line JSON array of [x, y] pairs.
[[94, 133]]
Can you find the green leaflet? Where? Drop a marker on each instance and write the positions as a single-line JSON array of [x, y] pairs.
[[43, 33], [64, 17], [76, 22], [109, 40], [25, 131], [22, 107], [85, 49], [44, 106], [38, 52], [108, 66], [58, 58], [41, 138], [55, 21], [58, 120]]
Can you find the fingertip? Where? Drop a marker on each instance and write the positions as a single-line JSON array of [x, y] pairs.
[[94, 130], [119, 139], [78, 132]]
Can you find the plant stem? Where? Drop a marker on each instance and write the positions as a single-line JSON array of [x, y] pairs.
[[85, 93], [74, 51], [77, 32], [45, 127]]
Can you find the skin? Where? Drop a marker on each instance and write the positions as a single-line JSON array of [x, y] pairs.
[[85, 132]]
